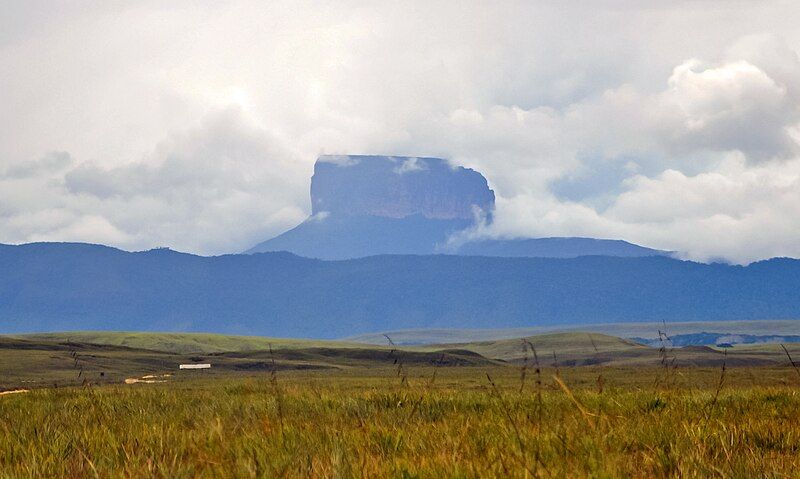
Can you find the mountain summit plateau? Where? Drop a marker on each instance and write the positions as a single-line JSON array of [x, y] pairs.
[[366, 205]]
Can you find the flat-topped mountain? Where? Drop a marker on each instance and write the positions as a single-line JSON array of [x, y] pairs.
[[370, 205], [397, 187]]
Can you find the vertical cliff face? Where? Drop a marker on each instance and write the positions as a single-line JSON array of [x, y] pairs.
[[397, 187], [373, 205]]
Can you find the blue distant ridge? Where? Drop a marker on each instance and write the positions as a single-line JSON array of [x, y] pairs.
[[62, 286]]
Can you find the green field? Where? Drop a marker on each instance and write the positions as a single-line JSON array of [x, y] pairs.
[[584, 405], [425, 422], [624, 330], [184, 342], [27, 363], [59, 359]]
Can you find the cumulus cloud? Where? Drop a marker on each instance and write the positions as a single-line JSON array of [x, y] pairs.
[[734, 211], [704, 166], [735, 106], [204, 190], [196, 126]]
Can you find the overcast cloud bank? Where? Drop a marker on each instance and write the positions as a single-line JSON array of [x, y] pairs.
[[196, 126]]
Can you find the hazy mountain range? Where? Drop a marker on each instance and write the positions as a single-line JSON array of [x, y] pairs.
[[80, 287]]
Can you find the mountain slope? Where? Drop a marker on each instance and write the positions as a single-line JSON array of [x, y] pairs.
[[555, 248], [337, 236]]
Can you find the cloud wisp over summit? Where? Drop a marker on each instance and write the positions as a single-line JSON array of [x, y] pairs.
[[196, 125]]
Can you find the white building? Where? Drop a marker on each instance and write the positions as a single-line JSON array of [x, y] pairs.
[[194, 366]]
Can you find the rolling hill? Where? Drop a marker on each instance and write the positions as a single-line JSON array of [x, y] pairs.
[[33, 362], [67, 359], [186, 343], [647, 331]]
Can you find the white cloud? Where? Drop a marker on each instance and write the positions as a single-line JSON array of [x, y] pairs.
[[735, 106], [410, 165], [339, 160], [736, 212], [52, 161], [205, 190], [195, 125]]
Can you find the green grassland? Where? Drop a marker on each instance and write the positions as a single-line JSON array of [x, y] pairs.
[[424, 421], [588, 348], [584, 405], [75, 358], [625, 330], [184, 342], [570, 347], [29, 364]]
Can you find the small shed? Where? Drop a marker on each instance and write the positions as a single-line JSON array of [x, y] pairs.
[[194, 366]]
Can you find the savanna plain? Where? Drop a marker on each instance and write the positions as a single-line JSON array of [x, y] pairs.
[[399, 413]]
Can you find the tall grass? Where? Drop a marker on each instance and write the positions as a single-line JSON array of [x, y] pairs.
[[462, 424]]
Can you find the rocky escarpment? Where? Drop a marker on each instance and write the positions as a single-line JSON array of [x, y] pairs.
[[398, 187], [374, 205]]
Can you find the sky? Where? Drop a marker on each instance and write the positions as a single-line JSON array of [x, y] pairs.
[[195, 125]]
